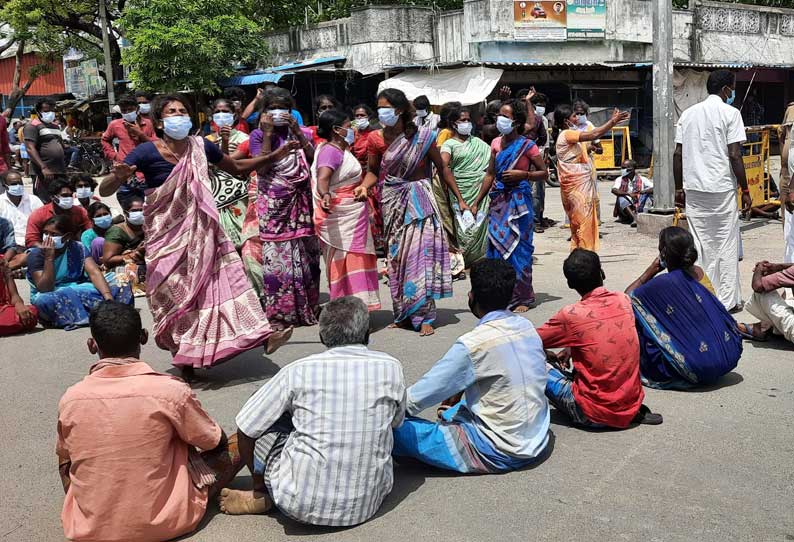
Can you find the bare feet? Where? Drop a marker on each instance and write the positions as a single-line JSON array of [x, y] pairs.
[[236, 502], [521, 308], [426, 330], [277, 339]]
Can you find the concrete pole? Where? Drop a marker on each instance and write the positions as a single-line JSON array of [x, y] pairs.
[[663, 129], [103, 18]]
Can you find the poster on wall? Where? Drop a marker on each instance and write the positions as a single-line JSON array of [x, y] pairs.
[[587, 19], [542, 20]]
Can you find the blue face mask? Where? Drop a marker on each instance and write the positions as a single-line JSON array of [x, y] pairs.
[[732, 97], [350, 136], [387, 116], [177, 127], [57, 240], [103, 222], [135, 218]]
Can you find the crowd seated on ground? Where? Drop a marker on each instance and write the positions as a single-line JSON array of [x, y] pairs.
[[16, 206], [62, 205], [124, 247], [65, 282], [687, 338], [93, 239], [595, 379], [15, 315]]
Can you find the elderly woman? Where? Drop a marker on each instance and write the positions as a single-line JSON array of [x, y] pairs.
[[687, 338], [575, 170], [401, 157], [229, 191], [65, 282], [515, 163], [203, 308], [341, 222], [290, 250]]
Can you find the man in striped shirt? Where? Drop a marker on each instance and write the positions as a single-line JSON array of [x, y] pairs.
[[318, 436]]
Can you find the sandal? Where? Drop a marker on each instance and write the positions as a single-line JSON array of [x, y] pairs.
[[646, 417], [748, 334]]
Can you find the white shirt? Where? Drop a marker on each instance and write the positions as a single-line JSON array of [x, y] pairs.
[[336, 466], [18, 216], [704, 131], [638, 184]]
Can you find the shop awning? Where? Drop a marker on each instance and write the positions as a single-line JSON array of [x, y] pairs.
[[309, 64], [466, 85], [273, 74]]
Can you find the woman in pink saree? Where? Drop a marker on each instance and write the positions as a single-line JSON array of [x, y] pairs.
[[205, 311], [341, 222], [578, 187]]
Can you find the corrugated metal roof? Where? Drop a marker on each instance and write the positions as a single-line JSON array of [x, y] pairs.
[[252, 79], [303, 64], [44, 85]]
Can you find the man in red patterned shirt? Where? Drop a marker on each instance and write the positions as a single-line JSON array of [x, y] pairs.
[[600, 340]]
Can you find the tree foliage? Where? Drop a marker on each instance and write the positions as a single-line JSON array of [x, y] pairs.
[[189, 44]]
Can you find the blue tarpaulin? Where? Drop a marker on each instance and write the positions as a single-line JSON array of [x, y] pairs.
[[275, 73]]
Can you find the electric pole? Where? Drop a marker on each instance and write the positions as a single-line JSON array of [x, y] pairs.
[[663, 129], [103, 18]]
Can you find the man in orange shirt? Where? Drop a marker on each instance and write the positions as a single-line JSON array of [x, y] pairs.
[[129, 440], [600, 340]]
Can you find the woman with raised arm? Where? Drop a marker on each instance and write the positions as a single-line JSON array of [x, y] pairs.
[[575, 169]]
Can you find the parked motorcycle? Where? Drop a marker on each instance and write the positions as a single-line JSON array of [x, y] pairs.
[[92, 159]]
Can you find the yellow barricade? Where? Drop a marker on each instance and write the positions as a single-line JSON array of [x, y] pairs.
[[756, 165], [607, 160]]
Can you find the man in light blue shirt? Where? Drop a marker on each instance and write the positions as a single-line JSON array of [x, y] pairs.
[[491, 383]]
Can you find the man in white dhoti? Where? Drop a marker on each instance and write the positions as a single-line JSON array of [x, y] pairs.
[[708, 165]]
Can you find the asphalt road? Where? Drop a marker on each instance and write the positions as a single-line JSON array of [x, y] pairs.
[[721, 467]]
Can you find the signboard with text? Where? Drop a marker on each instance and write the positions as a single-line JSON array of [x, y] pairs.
[[542, 20], [587, 19]]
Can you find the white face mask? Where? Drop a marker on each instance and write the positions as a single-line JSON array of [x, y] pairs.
[[361, 124], [47, 117], [130, 117], [582, 121], [540, 110], [57, 240], [135, 218], [83, 192], [223, 119], [280, 116], [421, 113], [144, 108], [177, 127], [625, 173], [387, 116], [504, 125], [65, 202], [464, 128], [17, 190]]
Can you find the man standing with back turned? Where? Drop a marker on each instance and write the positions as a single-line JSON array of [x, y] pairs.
[[708, 164]]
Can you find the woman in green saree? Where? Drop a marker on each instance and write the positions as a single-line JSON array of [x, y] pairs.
[[468, 157]]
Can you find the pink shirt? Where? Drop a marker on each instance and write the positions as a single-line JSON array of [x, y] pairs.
[[117, 130], [126, 430], [524, 162]]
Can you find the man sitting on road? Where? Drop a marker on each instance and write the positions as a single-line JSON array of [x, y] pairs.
[[317, 437], [128, 439], [62, 195], [502, 423], [600, 340], [775, 315], [633, 192]]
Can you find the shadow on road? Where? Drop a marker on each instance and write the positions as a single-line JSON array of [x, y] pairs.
[[251, 366], [730, 379]]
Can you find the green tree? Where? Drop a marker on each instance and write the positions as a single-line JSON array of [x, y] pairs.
[[189, 44]]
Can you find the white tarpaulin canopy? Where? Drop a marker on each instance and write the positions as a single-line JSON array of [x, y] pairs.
[[465, 85]]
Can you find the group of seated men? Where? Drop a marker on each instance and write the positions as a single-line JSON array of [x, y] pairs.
[[319, 437]]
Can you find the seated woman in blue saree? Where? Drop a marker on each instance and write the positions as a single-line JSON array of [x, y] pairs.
[[687, 338], [65, 283], [515, 163]]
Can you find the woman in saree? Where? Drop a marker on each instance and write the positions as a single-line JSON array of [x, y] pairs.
[[229, 191], [341, 222], [687, 338], [441, 194], [365, 122], [15, 316], [416, 247], [515, 163], [204, 310], [575, 170], [124, 247], [65, 282], [468, 158], [290, 248]]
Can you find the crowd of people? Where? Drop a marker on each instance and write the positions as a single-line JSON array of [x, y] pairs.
[[223, 231]]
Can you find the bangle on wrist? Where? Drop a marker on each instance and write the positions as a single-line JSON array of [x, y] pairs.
[[745, 190]]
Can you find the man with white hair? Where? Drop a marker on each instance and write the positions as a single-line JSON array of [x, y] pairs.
[[317, 437]]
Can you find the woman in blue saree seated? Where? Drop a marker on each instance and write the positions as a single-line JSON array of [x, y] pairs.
[[687, 338], [65, 283]]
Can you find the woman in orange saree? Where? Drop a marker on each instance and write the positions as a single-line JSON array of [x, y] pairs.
[[578, 188]]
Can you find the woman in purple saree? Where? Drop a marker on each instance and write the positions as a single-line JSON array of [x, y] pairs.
[[416, 246]]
